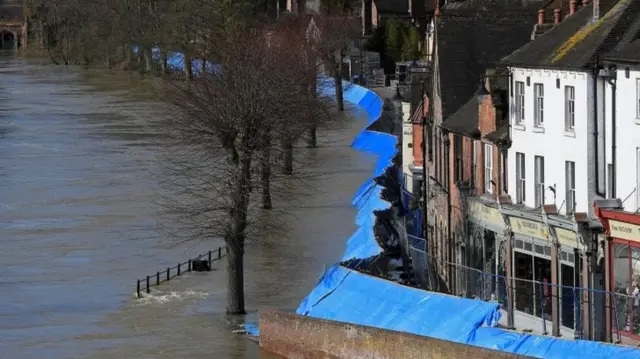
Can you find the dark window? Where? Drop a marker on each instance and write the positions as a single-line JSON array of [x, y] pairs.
[[458, 153]]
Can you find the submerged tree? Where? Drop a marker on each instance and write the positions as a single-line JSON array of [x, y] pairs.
[[231, 122]]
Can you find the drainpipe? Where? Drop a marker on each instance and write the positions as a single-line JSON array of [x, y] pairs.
[[612, 81], [596, 70], [449, 199]]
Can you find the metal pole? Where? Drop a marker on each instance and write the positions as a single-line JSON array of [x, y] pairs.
[[168, 273], [148, 287], [138, 288]]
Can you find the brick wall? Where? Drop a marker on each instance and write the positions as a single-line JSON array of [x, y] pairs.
[[294, 336]]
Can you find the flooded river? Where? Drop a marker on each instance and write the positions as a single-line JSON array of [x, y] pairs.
[[79, 169]]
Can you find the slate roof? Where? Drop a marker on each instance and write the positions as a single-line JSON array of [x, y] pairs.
[[577, 41], [465, 120], [626, 53], [474, 35], [392, 6]]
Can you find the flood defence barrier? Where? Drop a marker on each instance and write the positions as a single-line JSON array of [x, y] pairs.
[[317, 338], [199, 264]]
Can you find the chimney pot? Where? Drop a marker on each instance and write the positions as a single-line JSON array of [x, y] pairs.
[[585, 2], [556, 16], [540, 16], [572, 7]]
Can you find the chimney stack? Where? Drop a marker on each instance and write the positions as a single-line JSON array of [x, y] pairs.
[[540, 16], [556, 16], [572, 7]]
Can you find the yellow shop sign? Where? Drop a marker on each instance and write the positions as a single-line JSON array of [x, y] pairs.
[[528, 228], [630, 232], [486, 214], [567, 238]]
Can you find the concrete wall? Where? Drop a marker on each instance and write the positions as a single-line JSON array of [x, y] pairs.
[[294, 336]]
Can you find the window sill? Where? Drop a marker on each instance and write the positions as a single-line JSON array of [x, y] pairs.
[[519, 127], [637, 121], [570, 134], [538, 129]]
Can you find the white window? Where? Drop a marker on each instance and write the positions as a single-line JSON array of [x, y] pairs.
[[637, 98], [520, 178], [569, 108], [519, 103], [538, 105], [488, 168], [539, 177], [503, 175], [637, 179], [570, 179]]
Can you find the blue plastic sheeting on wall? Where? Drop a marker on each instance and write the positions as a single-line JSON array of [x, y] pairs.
[[382, 144], [348, 296], [362, 243], [548, 347]]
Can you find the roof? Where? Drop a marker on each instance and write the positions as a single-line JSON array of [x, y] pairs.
[[577, 41], [465, 120], [475, 35], [392, 6], [499, 136], [626, 53]]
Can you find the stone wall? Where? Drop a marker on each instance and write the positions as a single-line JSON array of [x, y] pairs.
[[298, 337]]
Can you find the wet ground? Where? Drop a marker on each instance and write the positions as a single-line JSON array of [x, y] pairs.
[[79, 167]]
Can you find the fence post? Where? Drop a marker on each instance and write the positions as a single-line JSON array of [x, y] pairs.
[[219, 252], [178, 269], [148, 289], [138, 289], [157, 278], [209, 257], [168, 273], [189, 266]]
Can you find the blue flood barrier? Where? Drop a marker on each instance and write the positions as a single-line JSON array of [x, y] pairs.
[[548, 347], [352, 297]]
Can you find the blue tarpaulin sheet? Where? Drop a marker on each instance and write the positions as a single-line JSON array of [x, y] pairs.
[[349, 296]]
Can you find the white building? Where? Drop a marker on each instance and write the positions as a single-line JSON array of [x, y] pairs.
[[624, 87], [560, 118]]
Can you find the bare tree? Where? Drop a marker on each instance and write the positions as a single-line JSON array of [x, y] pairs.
[[229, 124], [330, 36]]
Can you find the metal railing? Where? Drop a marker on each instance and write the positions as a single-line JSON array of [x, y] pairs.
[[171, 272]]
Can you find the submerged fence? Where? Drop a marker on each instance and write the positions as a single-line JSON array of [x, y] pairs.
[[194, 264]]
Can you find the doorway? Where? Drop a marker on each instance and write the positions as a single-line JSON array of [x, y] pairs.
[[8, 40]]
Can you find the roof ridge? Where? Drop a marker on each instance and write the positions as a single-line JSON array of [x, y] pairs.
[[613, 14]]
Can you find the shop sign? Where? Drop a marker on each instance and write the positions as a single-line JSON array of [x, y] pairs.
[[630, 232], [566, 237], [486, 214], [528, 228]]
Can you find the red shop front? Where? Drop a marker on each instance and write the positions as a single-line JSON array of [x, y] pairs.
[[623, 229]]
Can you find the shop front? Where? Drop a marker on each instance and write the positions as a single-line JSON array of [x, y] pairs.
[[485, 251], [531, 258], [623, 238]]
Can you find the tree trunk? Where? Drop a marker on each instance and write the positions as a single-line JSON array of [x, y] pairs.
[[236, 235], [235, 277], [287, 147], [339, 90], [187, 67], [265, 171], [148, 60], [163, 63], [313, 137]]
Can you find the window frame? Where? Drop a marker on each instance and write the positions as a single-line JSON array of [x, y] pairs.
[[637, 179], [570, 186], [569, 108], [488, 167], [519, 103], [521, 178], [538, 162], [538, 105], [638, 98]]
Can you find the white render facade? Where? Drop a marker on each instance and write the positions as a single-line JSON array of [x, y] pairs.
[[627, 113], [552, 132]]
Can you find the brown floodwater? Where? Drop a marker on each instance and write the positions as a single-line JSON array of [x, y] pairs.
[[80, 159]]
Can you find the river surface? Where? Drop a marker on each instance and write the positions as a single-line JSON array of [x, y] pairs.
[[79, 169]]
